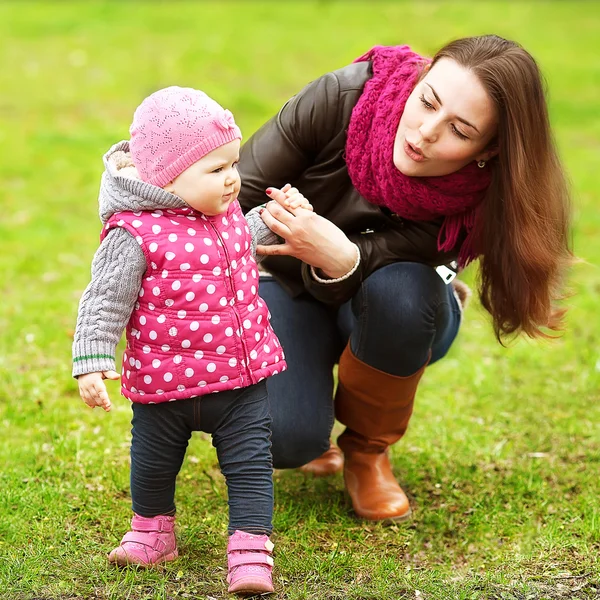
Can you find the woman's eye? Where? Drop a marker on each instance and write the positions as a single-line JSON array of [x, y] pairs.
[[426, 104], [462, 136]]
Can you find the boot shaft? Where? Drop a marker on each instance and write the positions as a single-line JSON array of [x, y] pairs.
[[374, 405]]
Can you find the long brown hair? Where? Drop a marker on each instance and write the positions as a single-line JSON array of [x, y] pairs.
[[524, 239]]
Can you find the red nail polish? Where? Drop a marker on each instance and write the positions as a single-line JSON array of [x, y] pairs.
[[269, 191]]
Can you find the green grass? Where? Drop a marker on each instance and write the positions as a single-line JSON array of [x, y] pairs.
[[503, 454]]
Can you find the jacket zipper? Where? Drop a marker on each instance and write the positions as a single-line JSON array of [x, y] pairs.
[[233, 309]]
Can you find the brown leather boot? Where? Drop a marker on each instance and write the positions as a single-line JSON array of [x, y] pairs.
[[329, 463], [375, 407]]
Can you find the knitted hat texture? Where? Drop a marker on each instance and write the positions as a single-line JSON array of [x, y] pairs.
[[175, 127]]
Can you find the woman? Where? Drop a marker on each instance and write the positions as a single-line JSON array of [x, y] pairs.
[[410, 164]]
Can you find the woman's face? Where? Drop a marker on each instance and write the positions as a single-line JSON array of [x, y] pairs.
[[448, 121]]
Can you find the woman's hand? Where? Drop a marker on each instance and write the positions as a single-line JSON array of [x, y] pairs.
[[93, 390], [309, 237]]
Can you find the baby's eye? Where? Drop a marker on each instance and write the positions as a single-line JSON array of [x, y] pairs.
[[218, 170]]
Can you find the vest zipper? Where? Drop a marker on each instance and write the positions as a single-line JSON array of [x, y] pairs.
[[235, 312]]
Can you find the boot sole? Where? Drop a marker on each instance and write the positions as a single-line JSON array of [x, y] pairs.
[[407, 516], [250, 585], [320, 473], [124, 561]]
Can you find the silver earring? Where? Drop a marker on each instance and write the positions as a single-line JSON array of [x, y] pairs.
[[481, 164]]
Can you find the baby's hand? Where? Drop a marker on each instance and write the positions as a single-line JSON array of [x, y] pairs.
[[92, 389], [290, 197]]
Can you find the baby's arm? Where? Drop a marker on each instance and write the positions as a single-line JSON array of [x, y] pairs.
[[261, 234], [104, 310]]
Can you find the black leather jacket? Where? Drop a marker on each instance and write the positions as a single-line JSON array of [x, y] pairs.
[[304, 145]]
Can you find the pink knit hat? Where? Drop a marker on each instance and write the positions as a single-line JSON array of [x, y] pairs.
[[175, 127]]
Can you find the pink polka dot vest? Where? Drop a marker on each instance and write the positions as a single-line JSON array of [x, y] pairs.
[[199, 325]]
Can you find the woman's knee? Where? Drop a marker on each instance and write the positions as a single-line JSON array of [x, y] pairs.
[[404, 293], [299, 447], [400, 300], [397, 312]]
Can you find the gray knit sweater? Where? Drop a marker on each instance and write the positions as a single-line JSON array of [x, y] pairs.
[[119, 263]]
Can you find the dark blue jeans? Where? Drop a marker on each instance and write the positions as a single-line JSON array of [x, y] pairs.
[[400, 314], [240, 425]]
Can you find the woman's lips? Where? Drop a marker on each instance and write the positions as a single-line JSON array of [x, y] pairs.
[[413, 153]]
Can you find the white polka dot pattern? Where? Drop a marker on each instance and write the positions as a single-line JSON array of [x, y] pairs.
[[199, 326]]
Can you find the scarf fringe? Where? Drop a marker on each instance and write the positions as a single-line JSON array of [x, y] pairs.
[[450, 232]]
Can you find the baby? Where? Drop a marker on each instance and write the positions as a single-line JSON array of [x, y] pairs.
[[176, 267]]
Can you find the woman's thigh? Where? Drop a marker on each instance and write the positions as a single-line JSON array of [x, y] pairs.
[[301, 397], [402, 314]]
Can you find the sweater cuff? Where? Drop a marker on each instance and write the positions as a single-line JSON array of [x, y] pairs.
[[343, 277], [259, 232], [93, 358]]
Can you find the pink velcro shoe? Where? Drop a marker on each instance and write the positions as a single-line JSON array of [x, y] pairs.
[[249, 563], [151, 541]]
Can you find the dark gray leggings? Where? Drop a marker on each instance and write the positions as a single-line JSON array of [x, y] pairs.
[[239, 422]]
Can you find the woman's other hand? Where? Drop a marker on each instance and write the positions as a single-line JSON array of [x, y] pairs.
[[308, 236]]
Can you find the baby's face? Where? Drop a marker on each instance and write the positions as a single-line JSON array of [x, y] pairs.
[[211, 184]]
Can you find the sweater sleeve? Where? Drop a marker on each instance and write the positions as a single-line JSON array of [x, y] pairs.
[[261, 234], [107, 303]]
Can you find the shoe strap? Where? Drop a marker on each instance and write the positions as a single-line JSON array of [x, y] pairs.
[[160, 524], [249, 558], [254, 543], [146, 539]]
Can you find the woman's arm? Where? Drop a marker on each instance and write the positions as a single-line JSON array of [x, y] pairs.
[[319, 243], [309, 237], [417, 242]]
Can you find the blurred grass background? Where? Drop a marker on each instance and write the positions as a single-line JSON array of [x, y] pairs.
[[502, 458]]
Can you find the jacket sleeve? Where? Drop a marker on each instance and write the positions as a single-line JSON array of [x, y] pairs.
[[411, 241], [293, 134], [106, 304]]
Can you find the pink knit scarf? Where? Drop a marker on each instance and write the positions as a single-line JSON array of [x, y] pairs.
[[369, 156]]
